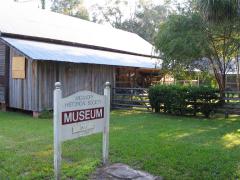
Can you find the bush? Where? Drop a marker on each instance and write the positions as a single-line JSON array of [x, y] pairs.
[[46, 114], [182, 100]]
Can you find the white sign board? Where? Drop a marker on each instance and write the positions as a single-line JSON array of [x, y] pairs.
[[81, 114]]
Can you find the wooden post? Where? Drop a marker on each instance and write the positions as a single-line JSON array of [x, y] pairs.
[[3, 107], [106, 123], [57, 131], [36, 114], [198, 80]]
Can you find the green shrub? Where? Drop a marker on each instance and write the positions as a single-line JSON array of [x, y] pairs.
[[157, 97], [46, 114], [204, 98], [182, 100]]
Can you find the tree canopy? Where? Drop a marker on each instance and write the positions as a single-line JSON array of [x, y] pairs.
[[144, 19], [70, 7], [209, 30]]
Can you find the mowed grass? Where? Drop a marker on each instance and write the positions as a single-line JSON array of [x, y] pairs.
[[168, 146]]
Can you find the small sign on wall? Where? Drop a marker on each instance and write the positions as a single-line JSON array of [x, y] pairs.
[[18, 67]]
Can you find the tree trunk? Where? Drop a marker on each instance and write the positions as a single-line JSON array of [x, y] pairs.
[[43, 2], [221, 83], [220, 77]]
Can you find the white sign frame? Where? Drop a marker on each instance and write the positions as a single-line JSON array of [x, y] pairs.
[[81, 114]]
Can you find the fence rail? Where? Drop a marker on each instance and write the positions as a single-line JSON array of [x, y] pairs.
[[231, 96], [130, 98], [232, 103], [137, 98]]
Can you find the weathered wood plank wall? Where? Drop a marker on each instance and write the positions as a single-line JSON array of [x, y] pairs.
[[47, 76], [23, 93], [2, 72], [35, 92], [74, 77]]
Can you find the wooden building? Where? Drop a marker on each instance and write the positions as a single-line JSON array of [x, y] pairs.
[[38, 48]]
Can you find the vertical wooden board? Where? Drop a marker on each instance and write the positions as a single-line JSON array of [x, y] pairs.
[[40, 80], [88, 80], [33, 85], [47, 78], [28, 90], [2, 73], [2, 94], [2, 59], [11, 84], [25, 92]]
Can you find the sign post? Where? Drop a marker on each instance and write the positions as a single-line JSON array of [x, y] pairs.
[[57, 130], [81, 114], [106, 123]]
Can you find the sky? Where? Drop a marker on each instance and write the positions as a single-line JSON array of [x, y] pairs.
[[88, 3]]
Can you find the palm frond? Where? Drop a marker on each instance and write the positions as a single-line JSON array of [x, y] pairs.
[[219, 10]]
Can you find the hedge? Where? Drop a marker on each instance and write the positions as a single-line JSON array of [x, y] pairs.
[[183, 100]]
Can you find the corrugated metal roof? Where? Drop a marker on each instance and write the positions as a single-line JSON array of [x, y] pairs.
[[53, 52], [15, 19]]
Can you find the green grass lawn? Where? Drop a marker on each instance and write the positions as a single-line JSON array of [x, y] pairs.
[[169, 146]]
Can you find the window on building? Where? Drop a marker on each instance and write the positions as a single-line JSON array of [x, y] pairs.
[[18, 67]]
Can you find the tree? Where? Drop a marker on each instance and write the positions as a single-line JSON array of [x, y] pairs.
[[225, 12], [146, 20], [70, 7], [143, 20], [43, 4], [209, 31], [111, 12]]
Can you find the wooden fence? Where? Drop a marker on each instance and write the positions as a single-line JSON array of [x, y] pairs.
[[130, 98], [137, 98], [232, 96], [232, 103]]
